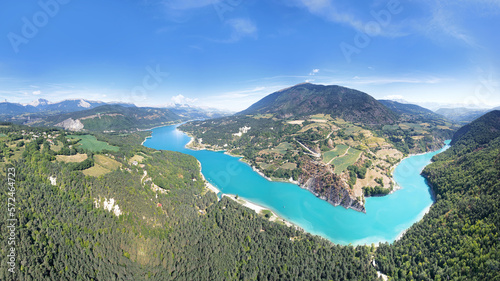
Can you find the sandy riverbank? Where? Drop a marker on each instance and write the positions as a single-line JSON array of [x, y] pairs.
[[259, 210]]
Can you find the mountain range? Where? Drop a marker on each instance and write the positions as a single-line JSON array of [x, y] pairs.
[[463, 114], [47, 107], [411, 110], [44, 112]]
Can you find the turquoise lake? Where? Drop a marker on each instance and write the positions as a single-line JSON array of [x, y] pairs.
[[385, 219]]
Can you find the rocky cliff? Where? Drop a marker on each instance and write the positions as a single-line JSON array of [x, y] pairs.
[[71, 124], [322, 182]]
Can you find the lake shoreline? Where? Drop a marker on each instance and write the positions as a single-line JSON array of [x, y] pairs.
[[242, 201], [259, 210], [337, 225]]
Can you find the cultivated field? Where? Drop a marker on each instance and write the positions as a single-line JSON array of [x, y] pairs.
[[137, 158], [281, 148], [72, 158], [337, 151], [91, 143], [96, 171], [289, 166], [296, 122], [341, 163], [57, 147], [107, 162]]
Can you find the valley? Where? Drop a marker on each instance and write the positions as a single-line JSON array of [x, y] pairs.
[[156, 201], [337, 160], [226, 140]]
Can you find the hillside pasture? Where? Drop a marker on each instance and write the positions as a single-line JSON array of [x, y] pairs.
[[337, 151], [138, 158], [340, 122], [96, 171], [354, 130], [443, 127], [56, 147], [389, 153], [321, 117], [390, 127], [91, 143], [296, 122], [282, 148], [374, 141], [107, 162], [341, 163], [289, 166], [71, 158], [266, 166], [262, 116], [318, 126]]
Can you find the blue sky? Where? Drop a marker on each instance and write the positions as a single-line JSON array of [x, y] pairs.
[[230, 53]]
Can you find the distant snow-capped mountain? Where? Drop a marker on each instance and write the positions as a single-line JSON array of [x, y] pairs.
[[39, 102], [196, 112], [42, 108]]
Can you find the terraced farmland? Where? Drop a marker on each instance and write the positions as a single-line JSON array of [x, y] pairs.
[[341, 163], [337, 151], [281, 148]]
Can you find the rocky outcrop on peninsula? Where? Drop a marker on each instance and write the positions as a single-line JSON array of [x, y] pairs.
[[319, 179]]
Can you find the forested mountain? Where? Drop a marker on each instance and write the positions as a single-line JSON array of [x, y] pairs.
[[411, 111], [141, 214], [481, 131], [12, 109], [459, 238], [112, 118], [309, 99], [42, 111], [47, 108], [331, 140]]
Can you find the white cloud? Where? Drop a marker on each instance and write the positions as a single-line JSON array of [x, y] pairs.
[[451, 19], [36, 93], [180, 99], [314, 72], [328, 9], [444, 20], [390, 80], [241, 28]]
